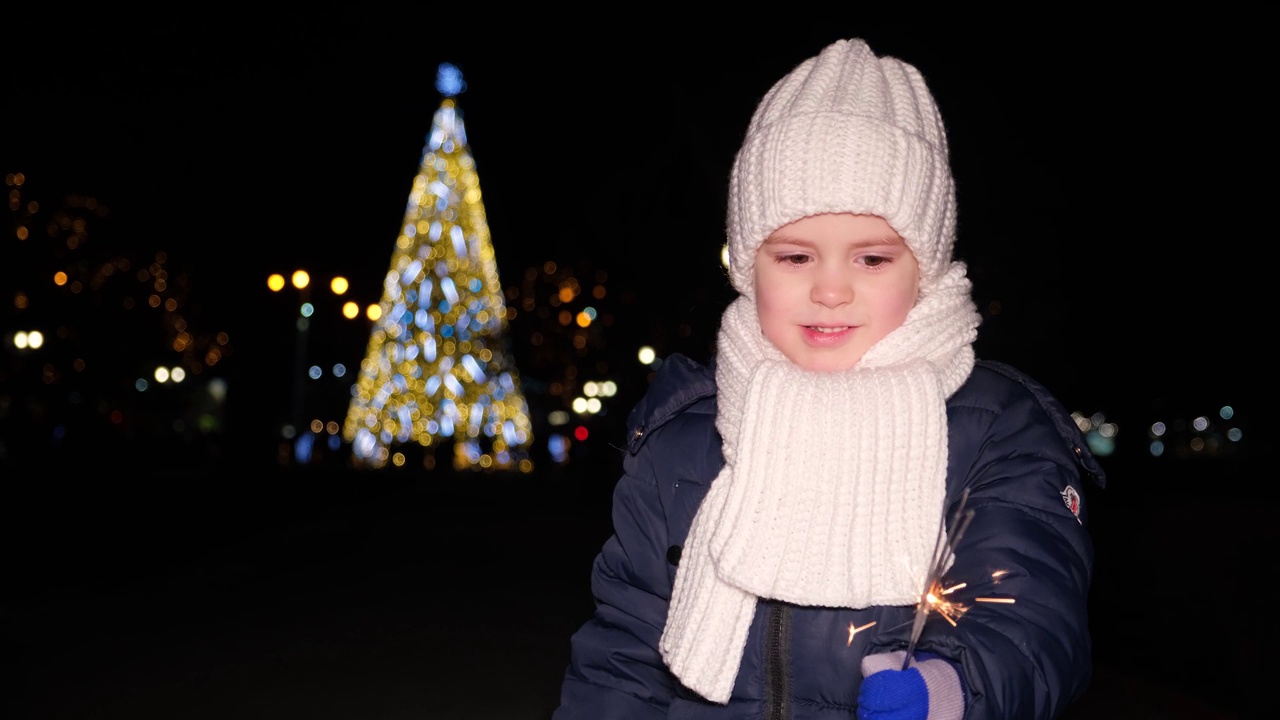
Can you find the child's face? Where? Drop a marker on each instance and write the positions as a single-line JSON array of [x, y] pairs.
[[830, 286]]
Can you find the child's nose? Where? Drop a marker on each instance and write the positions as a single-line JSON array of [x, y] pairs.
[[831, 290]]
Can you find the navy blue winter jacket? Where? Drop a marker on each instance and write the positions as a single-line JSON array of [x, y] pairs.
[[1011, 444]]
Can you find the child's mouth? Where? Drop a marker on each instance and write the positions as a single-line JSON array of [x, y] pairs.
[[840, 328]]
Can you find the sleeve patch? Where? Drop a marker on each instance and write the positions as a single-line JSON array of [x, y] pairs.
[[1072, 499]]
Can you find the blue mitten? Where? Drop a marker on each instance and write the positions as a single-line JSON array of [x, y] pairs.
[[927, 690]]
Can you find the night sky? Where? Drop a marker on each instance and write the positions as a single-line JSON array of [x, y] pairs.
[[1100, 195]]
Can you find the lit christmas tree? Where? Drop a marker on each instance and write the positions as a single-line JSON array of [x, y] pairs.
[[436, 369]]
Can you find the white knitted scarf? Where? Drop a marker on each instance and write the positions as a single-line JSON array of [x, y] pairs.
[[833, 485]]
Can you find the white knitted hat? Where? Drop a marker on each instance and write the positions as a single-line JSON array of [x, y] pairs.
[[845, 131]]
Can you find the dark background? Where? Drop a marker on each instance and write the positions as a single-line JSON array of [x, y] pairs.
[[1109, 213], [1098, 169]]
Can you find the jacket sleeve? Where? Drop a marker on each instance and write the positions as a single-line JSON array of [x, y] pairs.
[[1027, 542], [615, 669]]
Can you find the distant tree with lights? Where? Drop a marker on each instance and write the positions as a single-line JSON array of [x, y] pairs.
[[436, 370]]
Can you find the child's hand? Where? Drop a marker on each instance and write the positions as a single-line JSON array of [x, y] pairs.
[[928, 690]]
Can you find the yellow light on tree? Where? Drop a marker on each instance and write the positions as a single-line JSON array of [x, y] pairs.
[[436, 368]]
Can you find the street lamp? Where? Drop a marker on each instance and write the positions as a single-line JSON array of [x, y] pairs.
[[300, 280], [28, 339]]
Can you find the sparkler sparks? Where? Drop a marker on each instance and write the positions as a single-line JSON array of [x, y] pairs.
[[953, 610], [934, 597], [854, 630]]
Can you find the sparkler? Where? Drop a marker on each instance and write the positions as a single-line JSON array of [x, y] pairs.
[[934, 596]]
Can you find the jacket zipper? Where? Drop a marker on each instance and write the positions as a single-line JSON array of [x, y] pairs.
[[775, 664]]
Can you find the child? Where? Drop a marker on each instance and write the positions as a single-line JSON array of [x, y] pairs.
[[778, 514]]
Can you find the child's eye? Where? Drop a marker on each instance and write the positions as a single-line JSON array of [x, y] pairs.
[[793, 259], [876, 260]]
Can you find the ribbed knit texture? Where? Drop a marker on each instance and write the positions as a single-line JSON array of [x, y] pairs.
[[833, 486], [845, 131]]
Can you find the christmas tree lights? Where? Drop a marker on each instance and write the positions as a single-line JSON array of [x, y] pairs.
[[436, 369]]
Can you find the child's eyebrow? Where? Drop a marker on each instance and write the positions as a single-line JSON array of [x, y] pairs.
[[779, 239]]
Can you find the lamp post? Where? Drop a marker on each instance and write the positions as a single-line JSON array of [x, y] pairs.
[[299, 422], [301, 281]]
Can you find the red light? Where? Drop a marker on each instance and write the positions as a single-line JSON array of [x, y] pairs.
[[580, 433]]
